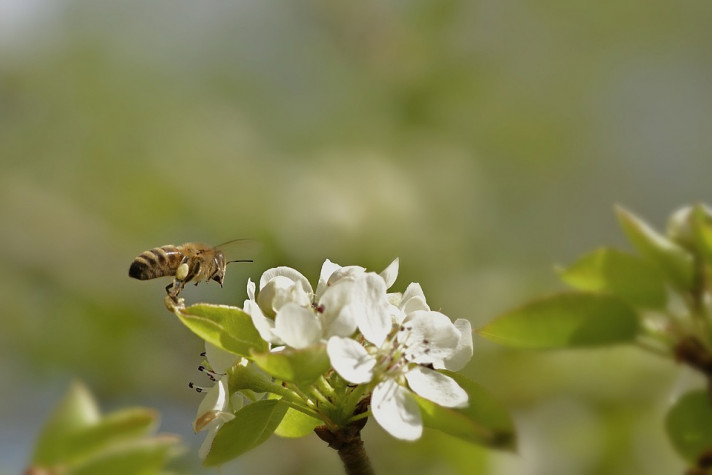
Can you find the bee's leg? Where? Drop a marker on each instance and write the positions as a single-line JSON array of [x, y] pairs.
[[174, 288], [195, 271]]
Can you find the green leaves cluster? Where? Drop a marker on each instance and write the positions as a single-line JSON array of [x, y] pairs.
[[77, 439], [289, 377], [657, 297]]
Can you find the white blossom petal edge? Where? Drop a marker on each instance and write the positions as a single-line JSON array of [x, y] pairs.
[[350, 360], [297, 326], [396, 410], [436, 387], [464, 349], [212, 414], [374, 317]]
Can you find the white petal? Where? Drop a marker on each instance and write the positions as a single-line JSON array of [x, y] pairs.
[[220, 360], [297, 326], [347, 272], [297, 294], [281, 290], [464, 350], [397, 315], [374, 317], [212, 432], [350, 360], [292, 274], [338, 311], [394, 298], [430, 337], [390, 273], [436, 387], [250, 289], [264, 325], [396, 410], [327, 269], [413, 299], [214, 402]]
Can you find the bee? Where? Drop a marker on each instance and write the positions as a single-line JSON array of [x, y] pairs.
[[191, 261]]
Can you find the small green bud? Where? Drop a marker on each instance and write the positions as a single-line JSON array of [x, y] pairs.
[[682, 225]]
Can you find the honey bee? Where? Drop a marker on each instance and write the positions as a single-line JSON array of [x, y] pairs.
[[191, 261]]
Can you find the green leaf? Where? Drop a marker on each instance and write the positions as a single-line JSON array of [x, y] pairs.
[[226, 327], [116, 427], [484, 422], [573, 319], [608, 270], [295, 366], [144, 457], [296, 424], [689, 424], [252, 425], [673, 260], [76, 410]]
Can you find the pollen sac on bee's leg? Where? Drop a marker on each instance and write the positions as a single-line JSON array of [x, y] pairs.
[[182, 271]]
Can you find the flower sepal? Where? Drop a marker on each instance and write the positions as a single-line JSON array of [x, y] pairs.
[[249, 377]]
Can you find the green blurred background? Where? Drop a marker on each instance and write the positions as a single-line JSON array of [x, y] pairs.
[[479, 141]]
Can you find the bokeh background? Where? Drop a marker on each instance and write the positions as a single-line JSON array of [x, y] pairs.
[[480, 141]]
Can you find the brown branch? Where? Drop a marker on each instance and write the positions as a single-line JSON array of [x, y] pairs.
[[347, 442], [692, 352]]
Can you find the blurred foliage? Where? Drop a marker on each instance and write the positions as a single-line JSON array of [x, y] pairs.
[[479, 141], [658, 300], [77, 439]]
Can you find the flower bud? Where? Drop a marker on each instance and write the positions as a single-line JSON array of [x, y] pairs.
[[681, 225]]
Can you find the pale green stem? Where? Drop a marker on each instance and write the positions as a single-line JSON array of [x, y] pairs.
[[322, 399], [304, 410], [357, 417]]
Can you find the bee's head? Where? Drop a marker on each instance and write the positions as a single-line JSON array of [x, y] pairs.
[[221, 265], [219, 274]]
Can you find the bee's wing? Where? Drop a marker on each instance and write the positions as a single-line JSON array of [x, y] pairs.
[[240, 249]]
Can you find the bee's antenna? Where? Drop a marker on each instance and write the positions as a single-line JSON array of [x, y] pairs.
[[240, 260]]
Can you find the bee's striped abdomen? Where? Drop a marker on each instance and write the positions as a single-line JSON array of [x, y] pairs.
[[156, 262]]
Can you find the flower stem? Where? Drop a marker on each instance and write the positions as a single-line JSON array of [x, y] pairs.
[[349, 446], [353, 456]]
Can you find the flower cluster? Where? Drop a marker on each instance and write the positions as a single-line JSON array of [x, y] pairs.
[[391, 342]]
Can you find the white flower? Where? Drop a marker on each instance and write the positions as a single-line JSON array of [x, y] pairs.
[[216, 407], [213, 412], [464, 349], [402, 366], [288, 312], [412, 301]]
